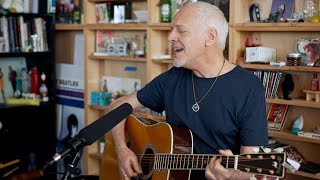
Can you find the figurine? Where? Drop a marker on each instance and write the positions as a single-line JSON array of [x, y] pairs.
[[287, 86], [43, 88]]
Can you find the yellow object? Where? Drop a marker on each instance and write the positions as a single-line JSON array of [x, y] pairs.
[[3, 165], [315, 19], [22, 101]]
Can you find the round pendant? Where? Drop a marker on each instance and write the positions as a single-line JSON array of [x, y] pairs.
[[195, 107]]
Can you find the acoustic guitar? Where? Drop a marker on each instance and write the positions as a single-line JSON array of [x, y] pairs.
[[165, 152]]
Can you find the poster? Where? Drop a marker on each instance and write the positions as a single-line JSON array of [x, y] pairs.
[[10, 69], [70, 109], [276, 116]]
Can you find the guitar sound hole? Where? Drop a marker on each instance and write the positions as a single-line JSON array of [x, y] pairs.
[[146, 162]]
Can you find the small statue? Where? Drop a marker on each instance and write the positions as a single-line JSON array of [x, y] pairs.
[[287, 86], [280, 12], [43, 89]]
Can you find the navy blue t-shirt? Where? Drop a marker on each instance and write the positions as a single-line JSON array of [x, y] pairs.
[[232, 114]]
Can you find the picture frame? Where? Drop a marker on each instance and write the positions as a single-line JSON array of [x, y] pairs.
[[309, 48], [276, 116], [283, 7], [10, 68]]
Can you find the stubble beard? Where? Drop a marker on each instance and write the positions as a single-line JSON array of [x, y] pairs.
[[179, 63]]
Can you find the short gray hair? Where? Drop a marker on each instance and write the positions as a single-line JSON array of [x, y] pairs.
[[212, 16]]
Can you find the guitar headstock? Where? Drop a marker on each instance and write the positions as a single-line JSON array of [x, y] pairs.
[[262, 164]]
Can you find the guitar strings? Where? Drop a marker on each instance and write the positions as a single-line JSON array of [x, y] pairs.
[[150, 156], [189, 163]]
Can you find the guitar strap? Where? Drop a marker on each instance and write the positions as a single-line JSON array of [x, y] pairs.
[[254, 11]]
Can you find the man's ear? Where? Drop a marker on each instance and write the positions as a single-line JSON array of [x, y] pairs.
[[212, 37]]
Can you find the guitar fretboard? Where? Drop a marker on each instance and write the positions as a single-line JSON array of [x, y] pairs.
[[190, 161]]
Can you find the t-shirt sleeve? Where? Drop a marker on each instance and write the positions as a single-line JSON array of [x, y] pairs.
[[151, 96], [253, 122]]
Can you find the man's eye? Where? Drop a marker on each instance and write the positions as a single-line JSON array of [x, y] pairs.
[[182, 31]]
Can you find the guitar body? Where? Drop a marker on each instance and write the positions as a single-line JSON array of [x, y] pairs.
[[146, 138]]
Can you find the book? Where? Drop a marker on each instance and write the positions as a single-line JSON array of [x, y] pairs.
[[309, 134], [310, 167], [284, 7], [276, 116], [103, 38], [70, 107], [291, 151], [309, 48], [102, 14]]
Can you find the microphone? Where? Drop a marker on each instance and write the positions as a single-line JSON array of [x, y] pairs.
[[92, 132]]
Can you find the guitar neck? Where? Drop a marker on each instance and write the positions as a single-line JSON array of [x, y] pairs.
[[191, 161], [263, 164]]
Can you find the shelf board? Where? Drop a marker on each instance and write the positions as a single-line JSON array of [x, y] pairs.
[[160, 26], [97, 156], [25, 54], [288, 135], [100, 108], [304, 174], [136, 113], [69, 27], [265, 27], [267, 67], [119, 27], [98, 1], [295, 102], [163, 61], [115, 58]]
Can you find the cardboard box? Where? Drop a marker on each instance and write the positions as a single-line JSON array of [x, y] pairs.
[[260, 54]]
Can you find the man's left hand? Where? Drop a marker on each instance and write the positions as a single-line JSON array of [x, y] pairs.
[[215, 171]]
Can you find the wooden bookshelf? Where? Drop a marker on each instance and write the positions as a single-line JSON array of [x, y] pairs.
[[69, 27], [282, 37]]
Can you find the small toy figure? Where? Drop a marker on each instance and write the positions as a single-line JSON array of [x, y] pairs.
[[43, 88], [287, 86]]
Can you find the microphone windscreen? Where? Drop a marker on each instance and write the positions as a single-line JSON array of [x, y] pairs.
[[101, 126]]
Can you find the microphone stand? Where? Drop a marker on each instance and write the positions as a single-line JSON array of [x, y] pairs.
[[72, 167]]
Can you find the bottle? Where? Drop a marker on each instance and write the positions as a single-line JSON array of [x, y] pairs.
[[309, 9], [19, 83], [165, 10], [297, 125], [25, 80], [102, 143], [133, 45], [76, 14], [35, 80]]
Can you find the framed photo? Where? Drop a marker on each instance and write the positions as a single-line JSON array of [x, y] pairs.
[[276, 116], [102, 14], [309, 48], [284, 7], [10, 68]]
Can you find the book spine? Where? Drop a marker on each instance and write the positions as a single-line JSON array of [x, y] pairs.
[[6, 34], [11, 34], [309, 135]]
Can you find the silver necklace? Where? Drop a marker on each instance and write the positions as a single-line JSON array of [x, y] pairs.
[[195, 106]]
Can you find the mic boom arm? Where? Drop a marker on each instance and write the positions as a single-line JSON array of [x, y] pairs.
[[94, 131]]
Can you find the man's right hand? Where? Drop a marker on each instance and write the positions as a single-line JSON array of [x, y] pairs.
[[128, 163]]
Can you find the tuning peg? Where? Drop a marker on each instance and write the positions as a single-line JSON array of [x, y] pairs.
[[264, 178], [255, 150], [266, 150], [279, 150]]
